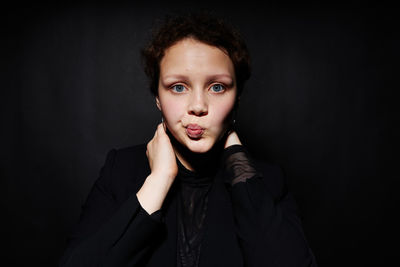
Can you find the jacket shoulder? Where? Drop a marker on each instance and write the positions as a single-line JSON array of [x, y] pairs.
[[274, 177], [129, 158], [124, 171]]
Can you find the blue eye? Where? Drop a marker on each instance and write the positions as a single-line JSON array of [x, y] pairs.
[[179, 88], [217, 88]]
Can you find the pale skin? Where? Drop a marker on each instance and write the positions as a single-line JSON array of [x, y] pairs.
[[197, 86]]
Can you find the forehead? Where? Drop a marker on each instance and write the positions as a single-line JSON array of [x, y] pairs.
[[192, 56]]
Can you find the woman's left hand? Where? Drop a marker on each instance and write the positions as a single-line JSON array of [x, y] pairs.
[[232, 139]]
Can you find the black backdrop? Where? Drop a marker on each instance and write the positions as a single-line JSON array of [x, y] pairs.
[[321, 103]]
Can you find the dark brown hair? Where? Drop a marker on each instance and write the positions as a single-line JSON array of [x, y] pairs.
[[203, 27]]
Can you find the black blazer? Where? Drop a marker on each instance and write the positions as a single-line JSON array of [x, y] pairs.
[[253, 223]]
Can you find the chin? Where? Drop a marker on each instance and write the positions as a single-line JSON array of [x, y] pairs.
[[199, 146]]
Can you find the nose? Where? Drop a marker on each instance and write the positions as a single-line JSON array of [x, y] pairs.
[[198, 105]]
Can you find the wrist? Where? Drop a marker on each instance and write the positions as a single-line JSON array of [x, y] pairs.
[[232, 139], [153, 192], [162, 177]]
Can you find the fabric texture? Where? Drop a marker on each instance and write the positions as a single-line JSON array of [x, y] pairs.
[[192, 211], [242, 215]]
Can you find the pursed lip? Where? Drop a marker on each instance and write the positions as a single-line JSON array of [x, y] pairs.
[[194, 131], [194, 127]]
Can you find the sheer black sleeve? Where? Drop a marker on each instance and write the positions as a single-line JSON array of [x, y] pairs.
[[268, 227]]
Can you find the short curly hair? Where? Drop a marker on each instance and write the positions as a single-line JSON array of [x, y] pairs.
[[203, 27]]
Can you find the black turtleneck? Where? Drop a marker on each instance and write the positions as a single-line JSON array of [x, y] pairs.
[[192, 210]]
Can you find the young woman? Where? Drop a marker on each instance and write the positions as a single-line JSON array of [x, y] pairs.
[[192, 196]]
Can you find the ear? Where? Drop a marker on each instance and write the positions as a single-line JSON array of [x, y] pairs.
[[158, 103]]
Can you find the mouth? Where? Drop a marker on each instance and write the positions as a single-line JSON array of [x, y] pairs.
[[194, 131]]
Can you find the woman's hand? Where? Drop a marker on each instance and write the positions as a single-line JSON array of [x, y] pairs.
[[161, 155], [232, 139], [164, 169]]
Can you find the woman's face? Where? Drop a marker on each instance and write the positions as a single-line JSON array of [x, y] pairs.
[[196, 93]]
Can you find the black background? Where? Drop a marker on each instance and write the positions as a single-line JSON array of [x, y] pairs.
[[321, 103]]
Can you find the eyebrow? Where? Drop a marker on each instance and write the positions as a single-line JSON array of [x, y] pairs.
[[217, 76], [175, 76], [209, 78]]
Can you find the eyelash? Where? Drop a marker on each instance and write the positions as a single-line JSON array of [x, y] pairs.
[[173, 87]]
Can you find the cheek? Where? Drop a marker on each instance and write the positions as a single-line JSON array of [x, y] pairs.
[[222, 114], [172, 109]]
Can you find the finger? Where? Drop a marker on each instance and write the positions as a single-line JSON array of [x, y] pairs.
[[148, 148], [161, 128]]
